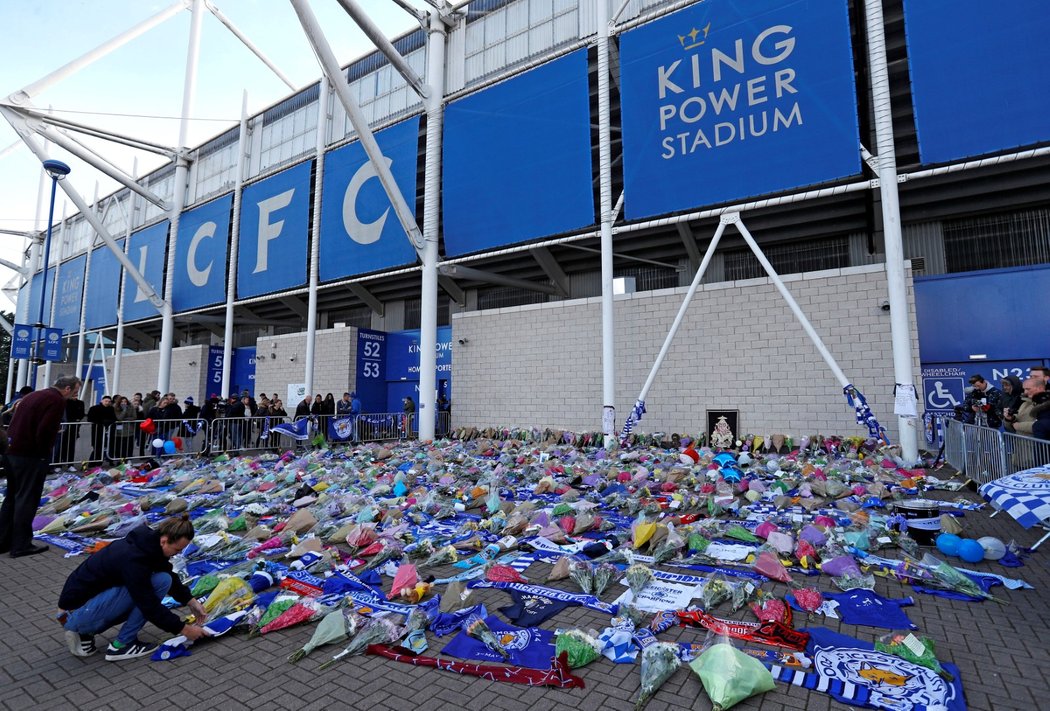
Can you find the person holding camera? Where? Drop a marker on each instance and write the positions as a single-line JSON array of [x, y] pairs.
[[985, 402]]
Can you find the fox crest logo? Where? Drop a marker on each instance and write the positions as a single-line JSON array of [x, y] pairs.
[[894, 682]]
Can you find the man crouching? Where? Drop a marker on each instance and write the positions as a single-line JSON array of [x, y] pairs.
[[125, 583]]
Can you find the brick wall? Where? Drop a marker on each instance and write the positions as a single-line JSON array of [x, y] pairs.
[[739, 348], [335, 362], [138, 372]]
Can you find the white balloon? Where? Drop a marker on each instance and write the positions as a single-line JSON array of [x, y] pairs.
[[994, 549], [158, 443]]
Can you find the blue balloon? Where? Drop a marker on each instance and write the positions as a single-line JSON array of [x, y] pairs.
[[948, 544], [971, 551], [169, 447]]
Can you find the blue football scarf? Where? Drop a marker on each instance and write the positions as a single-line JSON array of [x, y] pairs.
[[578, 598], [532, 648], [446, 622], [855, 673]]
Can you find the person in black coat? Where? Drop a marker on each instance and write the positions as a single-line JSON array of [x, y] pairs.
[[67, 443], [235, 421], [102, 418], [125, 582]]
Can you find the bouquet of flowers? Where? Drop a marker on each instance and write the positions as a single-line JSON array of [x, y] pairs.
[[370, 630], [442, 556], [659, 662], [603, 575], [582, 648], [304, 610], [582, 573], [742, 593], [479, 630], [669, 547], [560, 570], [638, 576], [334, 627], [715, 592], [420, 551], [917, 650], [389, 550], [809, 599]]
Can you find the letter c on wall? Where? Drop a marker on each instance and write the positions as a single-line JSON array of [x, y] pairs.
[[199, 277], [362, 232]]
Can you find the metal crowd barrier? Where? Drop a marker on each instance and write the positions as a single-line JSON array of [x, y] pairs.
[[371, 427], [241, 434], [984, 454]]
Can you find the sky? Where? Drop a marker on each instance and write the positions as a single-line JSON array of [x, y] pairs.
[[137, 89]]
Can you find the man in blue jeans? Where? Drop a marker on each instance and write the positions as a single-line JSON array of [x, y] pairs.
[[125, 582]]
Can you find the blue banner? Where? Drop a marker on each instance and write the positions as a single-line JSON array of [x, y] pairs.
[[53, 344], [103, 288], [21, 341], [213, 386], [200, 255], [517, 159], [726, 100], [275, 233], [1000, 52], [146, 250], [371, 369], [33, 313], [403, 356], [69, 295], [242, 374], [360, 232]]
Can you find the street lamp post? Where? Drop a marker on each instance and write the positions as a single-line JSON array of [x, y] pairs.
[[57, 170]]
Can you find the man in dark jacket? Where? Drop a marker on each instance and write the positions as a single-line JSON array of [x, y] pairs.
[[32, 439], [102, 418], [125, 582]]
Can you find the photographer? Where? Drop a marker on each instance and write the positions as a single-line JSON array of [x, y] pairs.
[[984, 401]]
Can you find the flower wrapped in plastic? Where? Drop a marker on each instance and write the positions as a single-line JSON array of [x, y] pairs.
[[275, 609], [479, 630], [420, 551], [389, 550], [669, 547], [638, 576], [854, 581], [696, 543], [742, 593], [809, 599], [770, 608], [603, 575], [500, 573], [229, 595], [370, 630], [915, 649], [768, 564], [582, 573], [659, 662], [560, 570], [715, 591], [204, 585], [334, 627], [442, 556], [729, 676], [582, 648], [951, 579], [304, 610]]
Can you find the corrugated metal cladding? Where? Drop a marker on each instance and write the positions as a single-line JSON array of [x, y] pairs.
[[925, 241], [992, 241]]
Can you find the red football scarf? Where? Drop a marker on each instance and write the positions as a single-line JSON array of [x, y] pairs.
[[558, 675], [771, 632]]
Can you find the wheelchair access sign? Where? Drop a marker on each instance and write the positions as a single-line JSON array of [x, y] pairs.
[[943, 392]]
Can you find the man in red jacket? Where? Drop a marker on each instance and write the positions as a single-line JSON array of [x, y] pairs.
[[32, 439]]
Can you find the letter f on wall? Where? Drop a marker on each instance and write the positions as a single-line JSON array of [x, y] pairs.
[[269, 230]]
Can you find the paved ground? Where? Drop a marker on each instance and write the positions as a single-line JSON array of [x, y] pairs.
[[1002, 651]]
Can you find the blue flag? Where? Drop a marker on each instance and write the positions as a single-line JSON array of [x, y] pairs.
[[532, 648], [298, 430]]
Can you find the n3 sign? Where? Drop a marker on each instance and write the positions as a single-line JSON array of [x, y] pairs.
[[360, 232], [200, 255], [274, 233]]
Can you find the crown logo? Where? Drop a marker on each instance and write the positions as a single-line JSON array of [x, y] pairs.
[[695, 37]]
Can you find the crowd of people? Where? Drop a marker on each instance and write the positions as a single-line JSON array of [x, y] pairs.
[[1018, 407]]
